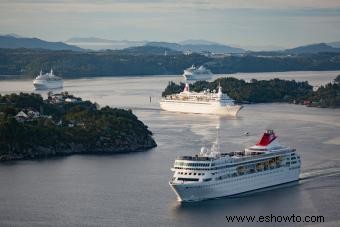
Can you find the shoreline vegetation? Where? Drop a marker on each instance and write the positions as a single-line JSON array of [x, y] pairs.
[[33, 128], [268, 91], [152, 60]]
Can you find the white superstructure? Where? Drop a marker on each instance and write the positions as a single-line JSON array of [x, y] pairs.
[[205, 102], [194, 73], [47, 81], [212, 174]]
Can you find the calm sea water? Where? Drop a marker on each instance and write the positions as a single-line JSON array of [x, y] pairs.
[[133, 190]]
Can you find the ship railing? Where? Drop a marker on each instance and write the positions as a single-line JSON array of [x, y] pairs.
[[251, 157], [194, 158]]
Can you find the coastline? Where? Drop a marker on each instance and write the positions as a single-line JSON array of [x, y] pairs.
[[42, 153], [63, 124]]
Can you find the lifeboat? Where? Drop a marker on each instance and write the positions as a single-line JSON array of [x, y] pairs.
[[259, 166], [240, 169]]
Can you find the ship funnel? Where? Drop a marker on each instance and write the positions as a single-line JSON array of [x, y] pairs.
[[267, 137], [186, 88], [219, 90]]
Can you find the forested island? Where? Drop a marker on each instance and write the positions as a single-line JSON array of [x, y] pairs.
[[267, 91], [32, 128], [152, 60]]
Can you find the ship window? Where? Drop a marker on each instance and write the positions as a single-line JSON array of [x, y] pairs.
[[189, 173], [188, 179], [199, 174], [194, 173]]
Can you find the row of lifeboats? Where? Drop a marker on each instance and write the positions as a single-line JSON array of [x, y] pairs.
[[195, 98], [268, 164]]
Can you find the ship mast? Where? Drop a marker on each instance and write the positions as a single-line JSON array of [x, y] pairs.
[[218, 138], [215, 149]]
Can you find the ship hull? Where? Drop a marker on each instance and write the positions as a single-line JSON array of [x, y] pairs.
[[234, 185], [200, 107], [43, 85], [190, 77]]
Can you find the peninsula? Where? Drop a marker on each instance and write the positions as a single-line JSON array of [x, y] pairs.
[[32, 128]]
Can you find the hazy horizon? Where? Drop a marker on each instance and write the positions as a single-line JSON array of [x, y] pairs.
[[281, 24]]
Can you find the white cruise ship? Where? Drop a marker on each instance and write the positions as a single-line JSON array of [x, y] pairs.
[[205, 102], [47, 81], [193, 73], [213, 174]]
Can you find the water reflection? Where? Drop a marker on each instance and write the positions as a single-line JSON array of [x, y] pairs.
[[133, 190]]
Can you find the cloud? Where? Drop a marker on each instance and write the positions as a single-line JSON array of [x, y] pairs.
[[283, 22], [144, 6]]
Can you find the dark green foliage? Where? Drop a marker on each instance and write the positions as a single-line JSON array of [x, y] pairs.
[[146, 61], [274, 90], [337, 79], [328, 95], [84, 129], [264, 91], [22, 100], [173, 88], [105, 63]]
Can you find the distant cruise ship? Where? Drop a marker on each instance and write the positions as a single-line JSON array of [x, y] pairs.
[[193, 73], [205, 102], [212, 174], [47, 81]]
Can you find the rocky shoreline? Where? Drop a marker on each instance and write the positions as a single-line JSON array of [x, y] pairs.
[[50, 152]]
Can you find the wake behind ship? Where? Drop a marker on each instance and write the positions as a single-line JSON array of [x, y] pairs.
[[47, 81], [205, 102], [212, 174]]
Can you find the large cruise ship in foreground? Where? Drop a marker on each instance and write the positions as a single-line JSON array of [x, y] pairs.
[[212, 174], [205, 102], [194, 73], [47, 81]]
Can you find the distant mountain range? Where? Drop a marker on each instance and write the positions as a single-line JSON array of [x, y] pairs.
[[334, 44], [14, 41], [148, 50], [187, 45], [197, 42], [313, 49], [92, 43], [198, 47]]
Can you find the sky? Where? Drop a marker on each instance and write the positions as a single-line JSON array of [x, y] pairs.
[[278, 23]]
